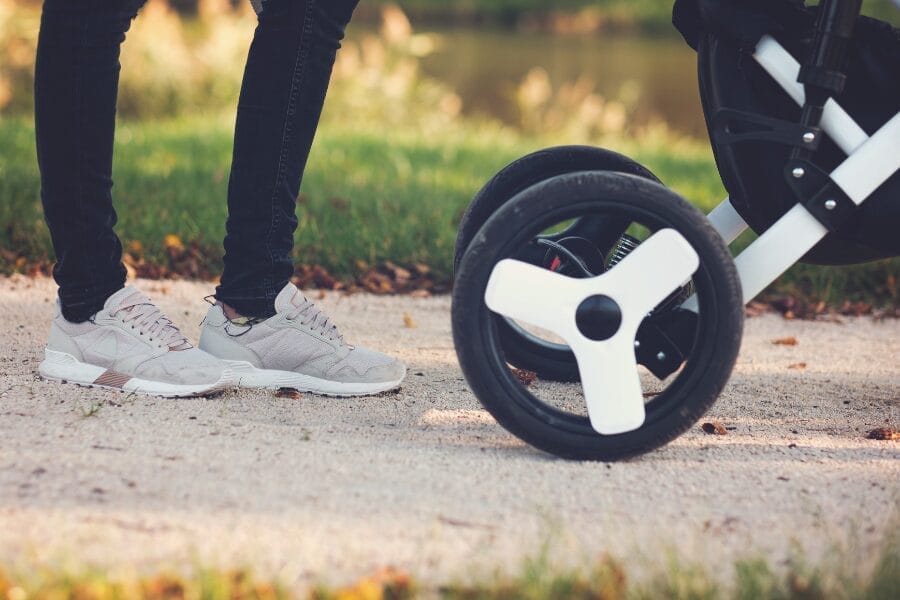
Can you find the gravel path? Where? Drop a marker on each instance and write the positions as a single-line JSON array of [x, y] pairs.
[[318, 489]]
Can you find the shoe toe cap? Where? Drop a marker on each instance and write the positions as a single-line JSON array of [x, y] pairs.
[[393, 371], [367, 366]]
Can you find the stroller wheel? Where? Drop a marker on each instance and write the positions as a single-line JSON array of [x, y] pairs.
[[550, 361], [611, 321]]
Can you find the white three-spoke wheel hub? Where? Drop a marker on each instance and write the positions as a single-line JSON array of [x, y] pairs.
[[598, 317]]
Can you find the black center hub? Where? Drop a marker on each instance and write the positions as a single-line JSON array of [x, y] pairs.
[[598, 318]]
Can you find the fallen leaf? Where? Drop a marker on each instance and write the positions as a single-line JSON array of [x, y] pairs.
[[376, 282], [792, 307], [526, 378], [714, 428], [398, 274], [755, 309], [172, 242], [787, 341], [856, 309], [884, 434], [289, 393], [887, 313], [316, 276], [324, 280], [797, 366], [384, 583], [408, 321]]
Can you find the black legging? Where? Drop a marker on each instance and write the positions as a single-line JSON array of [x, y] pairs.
[[76, 84]]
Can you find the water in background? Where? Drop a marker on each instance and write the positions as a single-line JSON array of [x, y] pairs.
[[656, 75]]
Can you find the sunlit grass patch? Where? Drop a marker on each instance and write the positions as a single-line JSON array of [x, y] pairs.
[[370, 194], [58, 584], [839, 578]]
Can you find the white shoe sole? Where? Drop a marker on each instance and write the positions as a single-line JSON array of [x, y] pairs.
[[60, 366], [248, 376]]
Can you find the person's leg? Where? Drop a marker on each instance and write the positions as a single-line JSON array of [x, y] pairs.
[[286, 78], [76, 83], [103, 334]]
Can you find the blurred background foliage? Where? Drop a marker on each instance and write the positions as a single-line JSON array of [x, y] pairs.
[[429, 99], [186, 57]]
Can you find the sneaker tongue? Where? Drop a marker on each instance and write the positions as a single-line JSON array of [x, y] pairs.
[[127, 294], [290, 297], [120, 297]]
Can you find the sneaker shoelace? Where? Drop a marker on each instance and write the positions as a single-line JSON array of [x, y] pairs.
[[144, 316], [311, 316]]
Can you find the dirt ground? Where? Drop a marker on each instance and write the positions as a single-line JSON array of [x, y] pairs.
[[316, 489]]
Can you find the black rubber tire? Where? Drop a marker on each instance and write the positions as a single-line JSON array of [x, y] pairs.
[[479, 347], [548, 363], [530, 170]]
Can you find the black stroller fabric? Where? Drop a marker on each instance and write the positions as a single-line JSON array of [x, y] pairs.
[[724, 33]]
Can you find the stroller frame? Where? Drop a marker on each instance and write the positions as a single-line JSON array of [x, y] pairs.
[[665, 261], [630, 309], [870, 162]]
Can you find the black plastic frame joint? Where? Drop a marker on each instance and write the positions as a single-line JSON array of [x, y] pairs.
[[760, 128], [832, 207], [665, 340], [819, 194], [826, 79]]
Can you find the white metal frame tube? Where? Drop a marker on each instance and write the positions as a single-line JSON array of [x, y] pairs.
[[798, 231], [726, 220], [870, 162], [785, 70]]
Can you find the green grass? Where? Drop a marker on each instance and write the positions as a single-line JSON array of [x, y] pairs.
[[369, 195], [537, 579]]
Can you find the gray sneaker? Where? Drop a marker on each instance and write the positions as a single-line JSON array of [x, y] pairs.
[[298, 348], [130, 345]]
